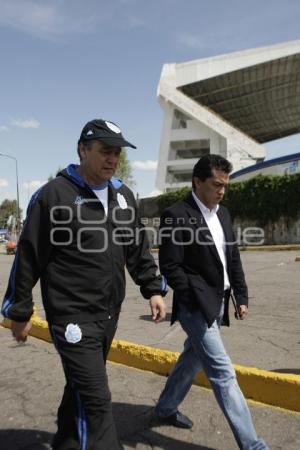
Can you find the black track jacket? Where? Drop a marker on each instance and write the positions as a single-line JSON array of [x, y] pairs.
[[78, 253]]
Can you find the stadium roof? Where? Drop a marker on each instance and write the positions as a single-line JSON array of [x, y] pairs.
[[267, 163], [257, 91]]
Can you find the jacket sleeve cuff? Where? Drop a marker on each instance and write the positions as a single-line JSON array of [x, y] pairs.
[[148, 291], [17, 317]]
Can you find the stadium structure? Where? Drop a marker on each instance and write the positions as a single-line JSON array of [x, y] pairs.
[[230, 105], [285, 165]]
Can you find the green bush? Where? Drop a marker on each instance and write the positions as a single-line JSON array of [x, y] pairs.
[[262, 198], [168, 199]]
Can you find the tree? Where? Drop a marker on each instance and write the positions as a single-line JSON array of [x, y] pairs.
[[8, 208], [124, 170]]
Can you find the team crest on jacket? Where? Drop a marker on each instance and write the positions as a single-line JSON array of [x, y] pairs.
[[73, 333], [122, 201]]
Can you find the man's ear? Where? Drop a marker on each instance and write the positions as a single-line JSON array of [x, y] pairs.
[[82, 150], [196, 181]]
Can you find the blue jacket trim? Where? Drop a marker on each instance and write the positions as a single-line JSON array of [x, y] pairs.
[[116, 182], [98, 187], [81, 422], [8, 302], [72, 172], [164, 285]]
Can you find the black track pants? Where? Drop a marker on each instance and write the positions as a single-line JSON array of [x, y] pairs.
[[84, 418]]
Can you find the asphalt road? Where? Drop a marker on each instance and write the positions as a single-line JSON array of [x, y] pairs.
[[268, 339], [31, 386], [31, 381]]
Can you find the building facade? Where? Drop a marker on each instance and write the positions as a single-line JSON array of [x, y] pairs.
[[229, 105]]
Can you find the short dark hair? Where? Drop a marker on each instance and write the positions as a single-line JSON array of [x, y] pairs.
[[87, 144], [203, 168]]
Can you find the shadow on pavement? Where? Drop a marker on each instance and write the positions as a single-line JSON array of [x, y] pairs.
[[148, 318], [136, 425], [13, 439]]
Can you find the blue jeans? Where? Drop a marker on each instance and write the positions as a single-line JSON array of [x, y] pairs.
[[204, 349]]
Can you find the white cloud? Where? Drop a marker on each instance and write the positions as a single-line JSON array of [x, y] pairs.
[[28, 15], [55, 20], [201, 42], [3, 128], [26, 123], [47, 20], [7, 195], [189, 40], [148, 165], [33, 184], [3, 183]]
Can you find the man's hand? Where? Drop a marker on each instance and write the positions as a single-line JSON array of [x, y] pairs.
[[158, 308], [20, 330], [243, 311]]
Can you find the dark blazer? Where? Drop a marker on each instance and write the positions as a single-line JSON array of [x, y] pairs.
[[189, 260]]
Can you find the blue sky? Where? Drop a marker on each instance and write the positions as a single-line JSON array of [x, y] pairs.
[[65, 62]]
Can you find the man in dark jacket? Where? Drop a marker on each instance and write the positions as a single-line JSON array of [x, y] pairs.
[[81, 230], [200, 259]]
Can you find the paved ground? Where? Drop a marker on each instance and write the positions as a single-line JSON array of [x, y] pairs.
[[31, 385], [268, 339], [31, 379]]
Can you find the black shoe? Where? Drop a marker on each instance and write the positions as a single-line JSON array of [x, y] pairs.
[[177, 419]]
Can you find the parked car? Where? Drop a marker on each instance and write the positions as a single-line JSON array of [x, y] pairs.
[[11, 247]]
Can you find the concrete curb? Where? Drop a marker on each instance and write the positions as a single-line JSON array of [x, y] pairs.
[[260, 385]]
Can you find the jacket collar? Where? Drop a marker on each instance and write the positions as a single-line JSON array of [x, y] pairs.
[[200, 223]]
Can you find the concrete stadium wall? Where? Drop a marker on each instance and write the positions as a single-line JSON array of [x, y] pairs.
[[283, 231]]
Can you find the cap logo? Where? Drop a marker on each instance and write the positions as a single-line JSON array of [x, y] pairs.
[[113, 127], [89, 133]]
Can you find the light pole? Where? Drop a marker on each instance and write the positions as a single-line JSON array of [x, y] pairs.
[[18, 199]]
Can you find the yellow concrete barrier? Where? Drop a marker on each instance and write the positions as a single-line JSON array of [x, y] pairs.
[[261, 385], [39, 328], [272, 388]]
